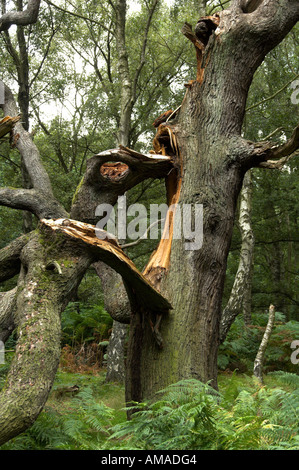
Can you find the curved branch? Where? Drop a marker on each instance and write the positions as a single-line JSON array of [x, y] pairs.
[[100, 187], [115, 296], [22, 18], [109, 251], [37, 202], [264, 152], [28, 150], [270, 20]]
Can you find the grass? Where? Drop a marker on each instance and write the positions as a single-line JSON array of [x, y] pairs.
[[247, 416], [111, 395]]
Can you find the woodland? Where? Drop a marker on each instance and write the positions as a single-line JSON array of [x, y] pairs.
[[123, 342]]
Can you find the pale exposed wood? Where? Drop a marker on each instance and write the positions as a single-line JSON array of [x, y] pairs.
[[160, 259], [109, 251], [7, 124]]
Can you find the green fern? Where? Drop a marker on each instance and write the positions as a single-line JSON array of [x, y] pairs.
[[83, 428], [188, 415], [286, 378]]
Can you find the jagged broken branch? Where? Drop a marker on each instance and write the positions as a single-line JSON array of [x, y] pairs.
[[106, 248]]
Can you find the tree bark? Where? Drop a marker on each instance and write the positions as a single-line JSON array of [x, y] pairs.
[[240, 297], [42, 294], [7, 310], [259, 360], [214, 158], [118, 306], [116, 353]]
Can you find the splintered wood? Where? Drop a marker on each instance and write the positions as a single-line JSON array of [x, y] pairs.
[[160, 259], [109, 251], [165, 142], [204, 29], [7, 124]]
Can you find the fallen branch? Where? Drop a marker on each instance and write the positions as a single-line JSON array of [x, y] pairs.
[[109, 251]]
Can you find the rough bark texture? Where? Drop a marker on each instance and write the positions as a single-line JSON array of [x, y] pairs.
[[118, 306], [214, 159], [42, 294], [28, 16]]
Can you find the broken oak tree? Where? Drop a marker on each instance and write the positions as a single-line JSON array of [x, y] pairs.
[[213, 159], [203, 158]]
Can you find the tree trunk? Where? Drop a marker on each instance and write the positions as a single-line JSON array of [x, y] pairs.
[[240, 297], [117, 305], [116, 353], [213, 161], [51, 271], [259, 360]]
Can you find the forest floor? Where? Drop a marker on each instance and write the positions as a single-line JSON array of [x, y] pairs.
[[83, 412]]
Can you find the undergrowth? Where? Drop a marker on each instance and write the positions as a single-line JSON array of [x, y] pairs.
[[186, 416]]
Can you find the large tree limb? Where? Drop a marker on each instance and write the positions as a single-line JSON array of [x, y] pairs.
[[103, 182], [39, 177], [22, 18], [109, 251], [268, 20], [118, 306], [37, 202]]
